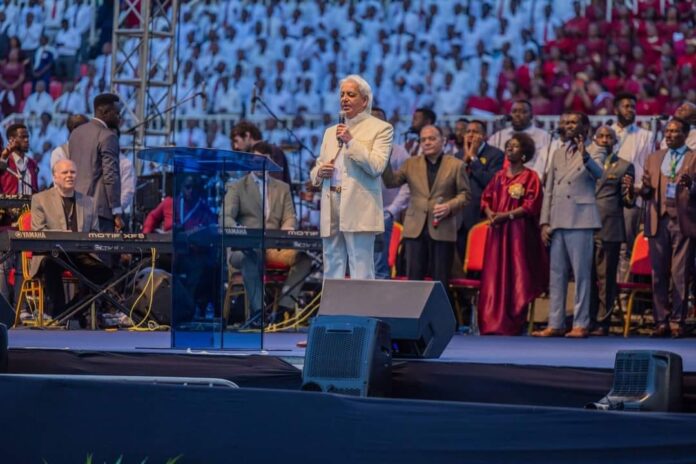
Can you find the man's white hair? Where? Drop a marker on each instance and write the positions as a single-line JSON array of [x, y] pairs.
[[363, 87]]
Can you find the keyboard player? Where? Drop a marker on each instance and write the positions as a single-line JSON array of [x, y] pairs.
[[62, 208], [242, 208]]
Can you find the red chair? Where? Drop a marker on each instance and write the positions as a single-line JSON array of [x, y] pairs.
[[639, 267], [394, 247], [473, 262]]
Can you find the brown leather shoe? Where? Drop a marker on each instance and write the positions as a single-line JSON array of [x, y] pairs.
[[661, 331], [679, 332], [600, 332], [577, 332], [548, 332]]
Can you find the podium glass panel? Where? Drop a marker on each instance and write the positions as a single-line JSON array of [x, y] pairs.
[[217, 267]]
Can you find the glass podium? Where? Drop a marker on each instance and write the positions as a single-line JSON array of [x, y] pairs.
[[217, 265]]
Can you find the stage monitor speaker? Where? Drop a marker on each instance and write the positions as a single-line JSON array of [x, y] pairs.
[[645, 380], [349, 355], [161, 310], [419, 313], [3, 348]]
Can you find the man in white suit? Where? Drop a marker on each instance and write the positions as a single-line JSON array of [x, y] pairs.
[[353, 156]]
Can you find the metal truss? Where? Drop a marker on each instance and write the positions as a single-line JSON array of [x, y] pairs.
[[143, 68]]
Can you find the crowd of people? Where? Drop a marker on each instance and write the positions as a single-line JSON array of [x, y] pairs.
[[423, 59], [457, 57], [544, 208]]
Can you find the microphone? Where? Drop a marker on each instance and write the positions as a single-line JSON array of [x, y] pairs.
[[253, 100], [436, 220], [341, 120]]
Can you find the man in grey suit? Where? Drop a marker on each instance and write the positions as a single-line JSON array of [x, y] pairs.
[[94, 149], [63, 208], [614, 193], [569, 216], [242, 207]]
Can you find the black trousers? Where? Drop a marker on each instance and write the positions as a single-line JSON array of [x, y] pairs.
[[603, 294], [425, 256], [52, 274]]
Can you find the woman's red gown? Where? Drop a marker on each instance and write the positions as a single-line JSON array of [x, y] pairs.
[[516, 267]]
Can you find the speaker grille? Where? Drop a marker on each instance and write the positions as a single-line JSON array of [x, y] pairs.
[[337, 353], [631, 375]]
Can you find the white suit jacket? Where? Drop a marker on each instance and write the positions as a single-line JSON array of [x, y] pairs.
[[365, 158]]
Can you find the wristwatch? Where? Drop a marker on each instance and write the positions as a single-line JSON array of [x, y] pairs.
[[511, 216]]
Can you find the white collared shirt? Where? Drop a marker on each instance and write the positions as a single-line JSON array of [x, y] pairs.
[[670, 157], [634, 145], [23, 174], [541, 141]]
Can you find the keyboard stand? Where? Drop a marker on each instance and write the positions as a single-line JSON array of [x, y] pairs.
[[100, 291]]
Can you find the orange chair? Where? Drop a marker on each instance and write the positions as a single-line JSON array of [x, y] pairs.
[[394, 247], [31, 291], [639, 267], [473, 262]]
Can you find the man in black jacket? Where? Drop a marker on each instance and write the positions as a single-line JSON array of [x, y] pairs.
[[614, 192], [482, 162]]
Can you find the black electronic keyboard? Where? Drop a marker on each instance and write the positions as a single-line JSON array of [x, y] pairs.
[[70, 242], [15, 201], [244, 238], [105, 242]]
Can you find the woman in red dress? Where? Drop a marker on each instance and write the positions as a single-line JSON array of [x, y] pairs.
[[515, 271]]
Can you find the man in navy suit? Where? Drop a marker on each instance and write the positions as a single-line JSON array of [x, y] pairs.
[[482, 161]]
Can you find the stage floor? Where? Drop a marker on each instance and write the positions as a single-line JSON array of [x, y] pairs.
[[588, 353]]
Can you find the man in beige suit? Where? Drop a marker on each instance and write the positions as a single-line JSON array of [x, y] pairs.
[[439, 188], [243, 208], [353, 156], [63, 208], [669, 190]]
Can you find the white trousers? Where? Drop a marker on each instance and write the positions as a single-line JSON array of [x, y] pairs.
[[353, 248]]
